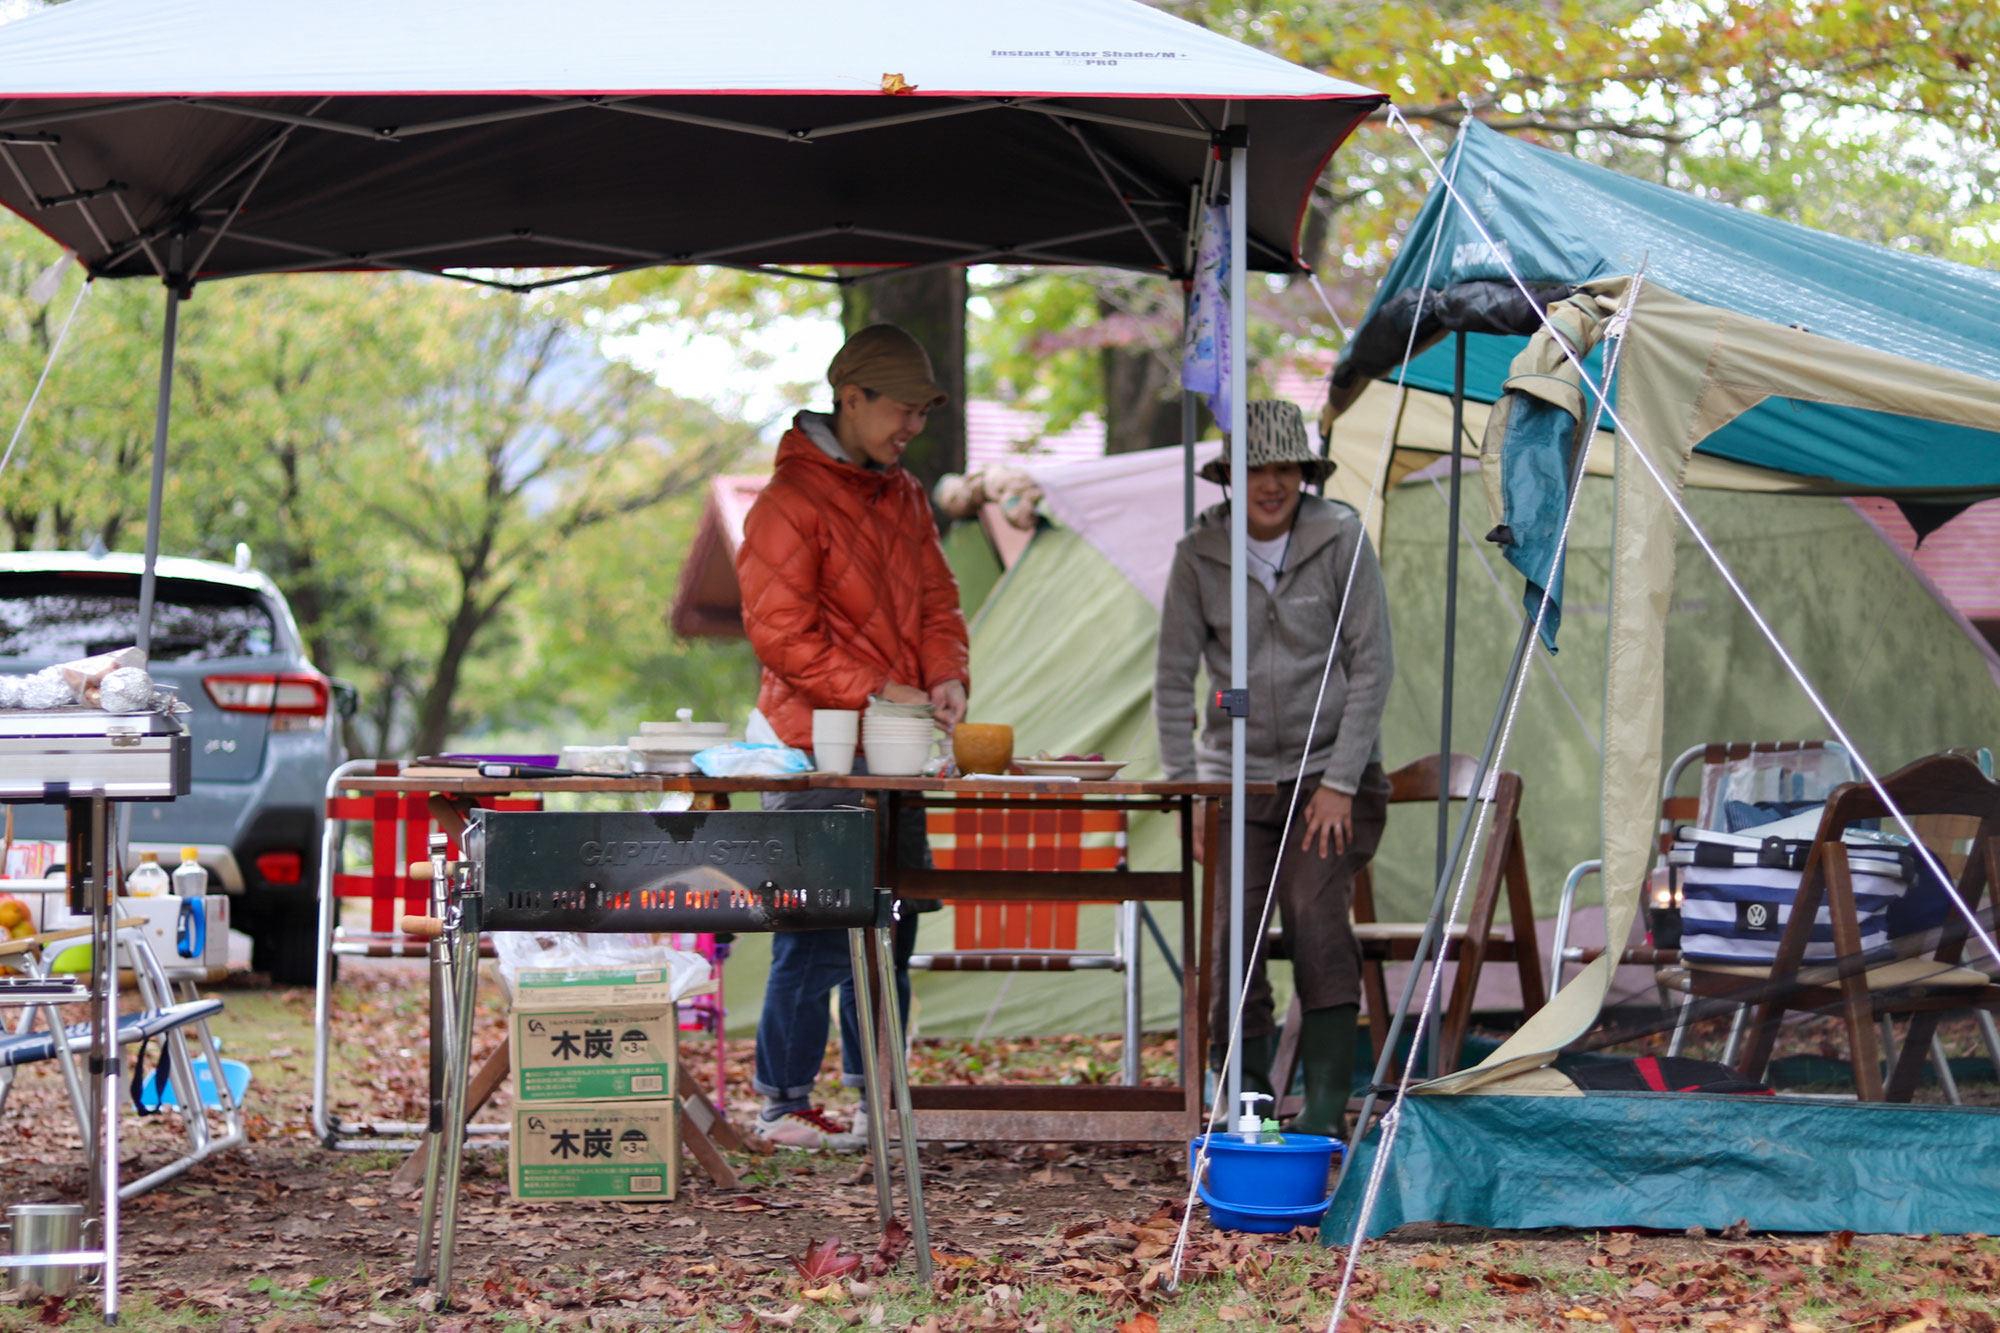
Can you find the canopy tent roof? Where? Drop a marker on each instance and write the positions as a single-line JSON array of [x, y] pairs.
[[447, 134], [1562, 223]]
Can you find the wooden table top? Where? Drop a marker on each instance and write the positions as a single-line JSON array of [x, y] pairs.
[[474, 785], [471, 784], [1033, 786]]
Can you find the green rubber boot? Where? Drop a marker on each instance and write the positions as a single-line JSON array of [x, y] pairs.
[[1326, 1048]]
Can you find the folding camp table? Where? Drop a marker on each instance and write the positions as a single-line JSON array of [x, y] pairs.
[[1051, 1112], [86, 760], [761, 871]]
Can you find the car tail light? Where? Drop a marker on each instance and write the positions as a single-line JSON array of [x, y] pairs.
[[281, 867], [294, 701]]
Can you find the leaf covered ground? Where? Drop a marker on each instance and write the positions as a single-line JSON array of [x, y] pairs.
[[284, 1234]]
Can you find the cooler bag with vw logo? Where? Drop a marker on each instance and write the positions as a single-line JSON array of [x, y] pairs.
[[1737, 892]]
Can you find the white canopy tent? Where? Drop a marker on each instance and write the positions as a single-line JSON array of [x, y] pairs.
[[190, 140]]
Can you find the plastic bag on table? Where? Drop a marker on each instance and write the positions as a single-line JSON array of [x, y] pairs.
[[744, 760], [517, 949]]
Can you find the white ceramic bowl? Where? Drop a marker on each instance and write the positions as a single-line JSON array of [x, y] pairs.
[[896, 759], [899, 731]]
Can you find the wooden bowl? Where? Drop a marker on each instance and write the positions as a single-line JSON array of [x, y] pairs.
[[982, 747]]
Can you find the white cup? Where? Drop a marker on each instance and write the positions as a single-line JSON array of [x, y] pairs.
[[835, 734], [836, 724]]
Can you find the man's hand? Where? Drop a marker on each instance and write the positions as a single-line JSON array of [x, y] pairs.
[[898, 693], [1330, 819], [1201, 831], [949, 697]]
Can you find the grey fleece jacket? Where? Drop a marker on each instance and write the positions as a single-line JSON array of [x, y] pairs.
[[1290, 630]]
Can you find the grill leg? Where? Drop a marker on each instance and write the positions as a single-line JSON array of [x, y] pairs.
[[467, 1000], [871, 1068], [441, 1005], [906, 1119]]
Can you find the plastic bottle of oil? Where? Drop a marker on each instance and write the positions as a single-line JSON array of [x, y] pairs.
[[147, 879]]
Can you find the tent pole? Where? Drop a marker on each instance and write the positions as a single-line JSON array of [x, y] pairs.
[[1239, 589], [1434, 922], [1450, 626], [1188, 418], [163, 410]]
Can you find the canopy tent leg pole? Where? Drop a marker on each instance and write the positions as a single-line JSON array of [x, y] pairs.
[[1450, 631], [1239, 593], [1188, 419], [169, 337]]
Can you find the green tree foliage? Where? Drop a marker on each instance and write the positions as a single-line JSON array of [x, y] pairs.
[[446, 483], [1873, 121]]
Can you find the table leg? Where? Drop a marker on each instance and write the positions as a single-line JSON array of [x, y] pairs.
[[705, 1130]]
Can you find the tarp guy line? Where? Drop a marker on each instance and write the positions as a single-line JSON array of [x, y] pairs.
[[1392, 1120], [1715, 558], [43, 378], [1230, 1054]]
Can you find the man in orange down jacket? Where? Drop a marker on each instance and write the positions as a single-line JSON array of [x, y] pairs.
[[846, 593]]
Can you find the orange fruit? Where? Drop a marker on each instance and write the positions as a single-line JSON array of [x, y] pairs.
[[12, 912]]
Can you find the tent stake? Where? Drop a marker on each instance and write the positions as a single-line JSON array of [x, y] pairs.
[[169, 336]]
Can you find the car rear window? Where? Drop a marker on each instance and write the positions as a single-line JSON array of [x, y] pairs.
[[58, 616]]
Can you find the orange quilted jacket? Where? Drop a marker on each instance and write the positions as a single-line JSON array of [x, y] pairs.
[[845, 588]]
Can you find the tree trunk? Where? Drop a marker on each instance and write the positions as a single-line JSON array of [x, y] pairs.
[[930, 307], [434, 713], [1142, 402]]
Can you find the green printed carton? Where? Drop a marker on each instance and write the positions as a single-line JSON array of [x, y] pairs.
[[596, 1150], [593, 1054], [575, 987]]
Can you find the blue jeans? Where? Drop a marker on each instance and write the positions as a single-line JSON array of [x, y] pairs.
[[806, 965]]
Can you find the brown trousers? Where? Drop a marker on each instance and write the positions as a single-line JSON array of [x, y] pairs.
[[1315, 897]]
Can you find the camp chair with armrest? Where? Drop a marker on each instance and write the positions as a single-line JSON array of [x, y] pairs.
[[1920, 977], [1015, 937], [181, 1026], [1727, 771], [1470, 945]]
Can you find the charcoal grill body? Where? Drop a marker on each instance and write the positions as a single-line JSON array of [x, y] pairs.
[[700, 871]]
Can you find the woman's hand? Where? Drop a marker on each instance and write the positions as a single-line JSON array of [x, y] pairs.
[[1329, 817], [949, 698], [898, 693]]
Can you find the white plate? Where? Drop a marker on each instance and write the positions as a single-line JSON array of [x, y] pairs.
[[1086, 770]]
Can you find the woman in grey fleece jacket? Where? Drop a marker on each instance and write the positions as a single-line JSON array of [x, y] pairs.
[[1302, 549]]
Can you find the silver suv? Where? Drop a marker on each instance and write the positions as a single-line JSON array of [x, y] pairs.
[[265, 724]]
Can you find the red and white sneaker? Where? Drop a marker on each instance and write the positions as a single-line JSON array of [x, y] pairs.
[[810, 1128]]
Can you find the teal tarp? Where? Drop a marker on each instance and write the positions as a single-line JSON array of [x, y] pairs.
[[1561, 220], [1672, 1160]]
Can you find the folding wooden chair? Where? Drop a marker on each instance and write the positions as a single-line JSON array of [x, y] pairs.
[[1469, 945], [1921, 977], [1035, 936]]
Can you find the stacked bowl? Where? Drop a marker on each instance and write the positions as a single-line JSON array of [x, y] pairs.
[[897, 738]]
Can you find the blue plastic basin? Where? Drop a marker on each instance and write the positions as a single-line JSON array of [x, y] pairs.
[[1244, 1217], [1291, 1174]]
